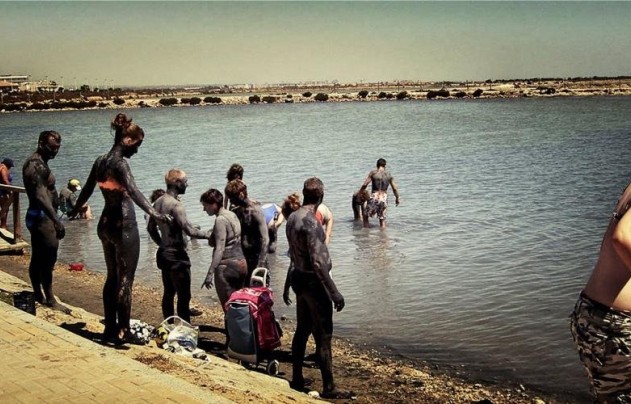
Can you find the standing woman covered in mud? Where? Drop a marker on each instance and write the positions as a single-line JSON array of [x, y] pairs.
[[117, 228]]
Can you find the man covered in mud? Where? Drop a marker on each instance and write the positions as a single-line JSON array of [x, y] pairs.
[[378, 202], [41, 217], [254, 235], [172, 258], [314, 289]]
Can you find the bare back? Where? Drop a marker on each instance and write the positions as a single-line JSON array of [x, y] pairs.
[[609, 283]]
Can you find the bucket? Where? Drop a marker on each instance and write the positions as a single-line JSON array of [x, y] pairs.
[[76, 266], [25, 300]]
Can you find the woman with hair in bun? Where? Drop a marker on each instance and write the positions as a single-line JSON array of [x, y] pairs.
[[117, 228]]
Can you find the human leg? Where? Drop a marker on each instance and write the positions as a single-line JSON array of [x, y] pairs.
[[109, 290], [322, 313], [127, 254], [230, 276], [44, 246], [182, 282], [5, 203], [304, 325], [168, 293], [603, 339]]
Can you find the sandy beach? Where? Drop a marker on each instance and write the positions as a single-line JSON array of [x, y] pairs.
[[374, 377]]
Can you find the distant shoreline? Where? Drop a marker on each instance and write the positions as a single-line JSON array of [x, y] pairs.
[[180, 98]]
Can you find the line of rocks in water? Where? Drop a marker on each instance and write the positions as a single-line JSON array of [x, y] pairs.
[[132, 100]]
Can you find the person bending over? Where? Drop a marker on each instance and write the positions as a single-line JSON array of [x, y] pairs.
[[274, 219], [378, 202], [68, 199], [358, 203], [601, 320], [117, 228], [254, 235], [41, 217], [316, 293], [172, 258], [228, 269]]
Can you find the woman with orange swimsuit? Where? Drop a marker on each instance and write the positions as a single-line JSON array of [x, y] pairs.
[[117, 228]]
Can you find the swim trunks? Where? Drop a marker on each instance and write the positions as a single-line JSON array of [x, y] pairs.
[[172, 259], [32, 216], [603, 339], [377, 205]]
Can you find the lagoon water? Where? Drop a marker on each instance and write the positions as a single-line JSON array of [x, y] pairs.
[[504, 203]]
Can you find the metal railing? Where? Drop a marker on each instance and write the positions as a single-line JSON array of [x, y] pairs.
[[15, 202]]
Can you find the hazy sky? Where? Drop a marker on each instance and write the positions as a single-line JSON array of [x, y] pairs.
[[178, 43]]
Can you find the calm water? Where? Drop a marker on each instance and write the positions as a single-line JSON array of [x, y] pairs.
[[504, 203]]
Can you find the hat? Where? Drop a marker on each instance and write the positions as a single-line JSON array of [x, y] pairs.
[[8, 162], [75, 183]]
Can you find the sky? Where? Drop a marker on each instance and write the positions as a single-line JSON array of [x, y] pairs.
[[184, 43]]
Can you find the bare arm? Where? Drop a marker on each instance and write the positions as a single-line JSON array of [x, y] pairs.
[[219, 235], [86, 191], [280, 219], [367, 181], [622, 240], [321, 262], [152, 228], [290, 271], [4, 176], [262, 226], [179, 215], [395, 189], [328, 229]]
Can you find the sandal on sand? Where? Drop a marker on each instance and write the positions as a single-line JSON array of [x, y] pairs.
[[194, 312], [302, 387]]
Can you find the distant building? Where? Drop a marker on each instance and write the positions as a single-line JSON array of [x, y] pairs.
[[10, 78], [10, 82]]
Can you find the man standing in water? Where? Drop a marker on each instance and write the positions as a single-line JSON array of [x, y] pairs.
[[601, 320], [316, 293], [172, 258], [378, 202], [41, 217]]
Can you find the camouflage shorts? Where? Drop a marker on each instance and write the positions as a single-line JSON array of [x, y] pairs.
[[377, 205], [603, 339]]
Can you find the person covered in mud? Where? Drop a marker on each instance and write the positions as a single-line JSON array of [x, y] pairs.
[[117, 228], [228, 269], [235, 172], [41, 217], [316, 293], [601, 320], [172, 258], [378, 202], [254, 235]]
